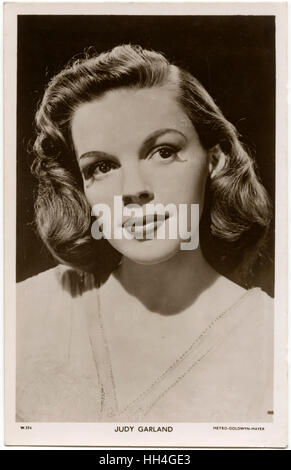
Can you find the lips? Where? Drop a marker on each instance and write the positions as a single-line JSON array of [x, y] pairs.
[[145, 220], [144, 228]]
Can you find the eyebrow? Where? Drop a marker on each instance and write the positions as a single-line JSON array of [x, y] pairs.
[[94, 154], [159, 133], [150, 140]]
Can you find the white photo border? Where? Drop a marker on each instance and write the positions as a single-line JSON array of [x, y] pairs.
[[184, 434]]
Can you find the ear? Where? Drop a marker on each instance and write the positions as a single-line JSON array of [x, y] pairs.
[[217, 160]]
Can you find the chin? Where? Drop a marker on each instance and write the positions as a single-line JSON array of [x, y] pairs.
[[147, 252]]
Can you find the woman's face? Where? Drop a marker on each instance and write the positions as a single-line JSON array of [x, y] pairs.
[[139, 144]]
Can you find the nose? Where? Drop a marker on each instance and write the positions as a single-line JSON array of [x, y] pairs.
[[135, 188], [140, 198]]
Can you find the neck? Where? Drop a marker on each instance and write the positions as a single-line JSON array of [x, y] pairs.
[[168, 287]]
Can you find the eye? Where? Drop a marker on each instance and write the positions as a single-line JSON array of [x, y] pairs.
[[164, 153], [103, 166], [99, 168]]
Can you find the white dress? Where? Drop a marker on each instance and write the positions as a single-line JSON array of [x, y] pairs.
[[64, 372]]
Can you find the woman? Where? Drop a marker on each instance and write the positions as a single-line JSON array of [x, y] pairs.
[[136, 328]]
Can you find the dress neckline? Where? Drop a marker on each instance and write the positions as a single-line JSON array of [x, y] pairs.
[[198, 350]]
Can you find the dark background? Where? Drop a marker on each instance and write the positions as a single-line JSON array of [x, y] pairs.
[[232, 56]]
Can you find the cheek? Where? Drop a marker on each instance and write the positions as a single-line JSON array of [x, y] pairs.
[[100, 192], [103, 192], [185, 185]]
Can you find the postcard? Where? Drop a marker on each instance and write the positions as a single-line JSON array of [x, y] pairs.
[[145, 224]]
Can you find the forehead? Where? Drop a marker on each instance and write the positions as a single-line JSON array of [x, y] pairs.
[[125, 116]]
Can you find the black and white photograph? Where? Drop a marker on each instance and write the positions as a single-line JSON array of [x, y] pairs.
[[145, 200]]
